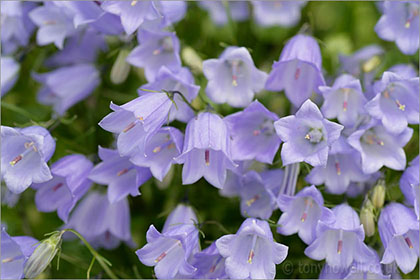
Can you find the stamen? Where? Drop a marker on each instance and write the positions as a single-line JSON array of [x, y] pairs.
[[308, 204], [234, 64], [400, 106], [207, 157], [160, 257], [256, 132], [234, 80], [16, 160], [346, 92], [214, 266], [50, 22], [371, 139], [165, 253], [7, 260], [308, 137], [297, 73], [133, 124], [252, 253], [157, 149], [56, 187], [122, 172], [28, 146], [133, 3], [340, 243], [337, 167], [157, 51], [249, 202], [408, 241], [407, 24]]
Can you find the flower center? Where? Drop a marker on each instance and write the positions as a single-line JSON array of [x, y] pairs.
[[265, 128], [387, 94], [133, 3], [29, 147], [314, 135], [370, 138], [340, 242], [168, 144], [249, 202], [346, 92], [234, 66], [308, 204], [166, 45], [413, 12]]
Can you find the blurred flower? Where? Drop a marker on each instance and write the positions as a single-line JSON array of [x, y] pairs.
[[251, 252], [233, 77], [169, 12], [378, 194], [119, 174], [405, 71], [9, 73], [307, 136], [24, 153], [362, 61], [209, 263], [183, 214], [283, 13], [298, 72], [239, 10], [367, 217], [410, 185]]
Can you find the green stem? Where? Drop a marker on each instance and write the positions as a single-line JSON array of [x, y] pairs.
[[185, 100], [90, 267], [230, 21]]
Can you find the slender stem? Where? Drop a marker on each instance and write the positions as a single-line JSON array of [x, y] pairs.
[[217, 224], [231, 22], [185, 100], [90, 267]]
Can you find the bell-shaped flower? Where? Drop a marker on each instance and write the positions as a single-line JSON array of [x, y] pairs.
[[403, 70], [378, 147], [169, 12], [9, 73], [121, 176], [410, 185], [156, 49], [160, 151], [239, 10], [251, 252], [361, 61], [283, 13], [181, 81], [400, 23], [15, 251], [344, 100], [399, 231], [252, 133], [102, 224], [298, 72], [183, 214], [307, 136], [207, 150], [233, 77], [65, 86], [341, 242], [396, 103], [24, 153], [302, 212], [68, 185], [209, 263]]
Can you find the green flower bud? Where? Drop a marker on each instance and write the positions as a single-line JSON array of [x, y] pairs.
[[367, 218], [121, 68], [378, 194]]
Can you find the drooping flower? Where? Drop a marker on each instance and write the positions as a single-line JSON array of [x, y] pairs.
[[9, 73], [341, 242], [378, 147], [102, 224], [160, 151], [410, 185], [298, 72], [396, 102], [121, 176], [251, 252], [24, 153], [209, 263], [68, 185], [183, 214], [180, 80], [233, 77], [405, 71], [307, 136], [400, 23], [361, 61], [64, 87], [302, 212], [283, 13], [239, 10], [344, 100], [207, 150], [156, 49], [15, 251], [169, 12], [399, 231]]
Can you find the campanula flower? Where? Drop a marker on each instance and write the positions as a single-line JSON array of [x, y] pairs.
[[399, 231], [102, 224], [66, 86], [160, 151], [209, 263], [361, 61], [302, 212], [283, 13], [24, 153], [120, 175], [341, 242], [396, 102], [68, 185], [233, 77], [239, 10], [182, 215], [251, 252], [400, 23], [344, 100], [378, 147], [157, 48], [405, 71], [180, 80], [9, 73], [307, 136], [207, 150], [15, 251], [169, 12], [410, 184], [298, 72]]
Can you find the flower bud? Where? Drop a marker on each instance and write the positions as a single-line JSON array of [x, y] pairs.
[[378, 194], [121, 68], [43, 255], [367, 218]]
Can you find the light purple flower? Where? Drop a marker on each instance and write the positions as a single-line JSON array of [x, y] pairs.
[[410, 185], [298, 72], [378, 147], [169, 12], [65, 86], [251, 252], [180, 80], [68, 185], [302, 212], [344, 100], [307, 136], [283, 13], [399, 231], [206, 151], [209, 263], [396, 102], [183, 214], [120, 175], [102, 224], [9, 73], [354, 64], [239, 10], [233, 77], [400, 23], [160, 151], [405, 71], [157, 48], [15, 251], [24, 153], [341, 242]]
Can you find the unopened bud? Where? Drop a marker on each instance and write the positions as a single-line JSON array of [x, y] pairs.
[[121, 68], [367, 218], [42, 255], [371, 64], [378, 194]]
